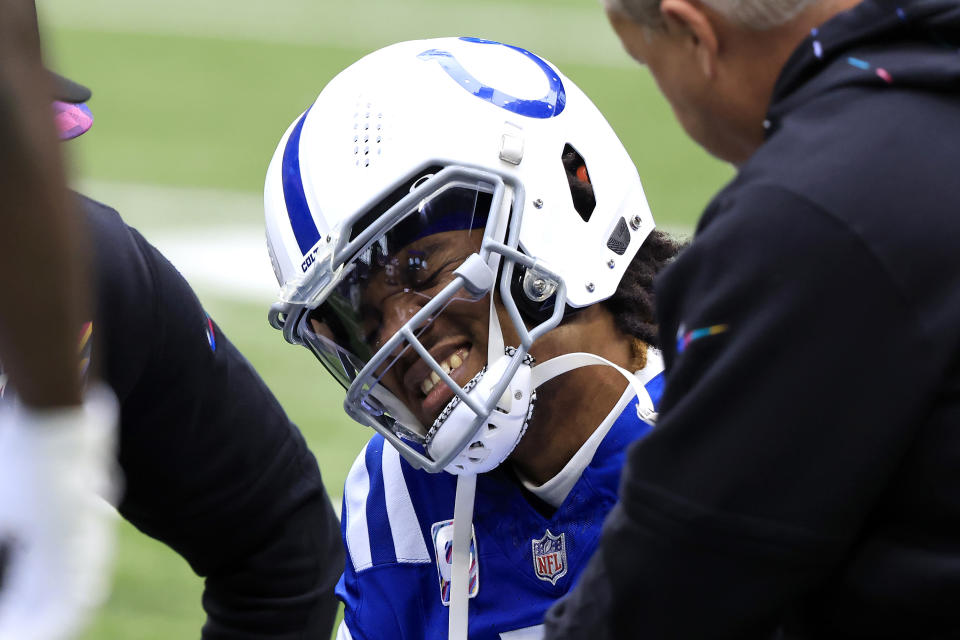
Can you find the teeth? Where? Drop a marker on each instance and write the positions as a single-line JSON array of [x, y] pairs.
[[447, 365], [426, 386]]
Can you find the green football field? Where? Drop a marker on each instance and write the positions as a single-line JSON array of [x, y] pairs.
[[189, 101]]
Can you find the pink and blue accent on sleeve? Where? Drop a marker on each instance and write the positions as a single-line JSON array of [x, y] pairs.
[[684, 337]]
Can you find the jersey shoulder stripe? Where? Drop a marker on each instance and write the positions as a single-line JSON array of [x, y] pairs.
[[408, 542], [377, 506], [343, 632], [355, 531]]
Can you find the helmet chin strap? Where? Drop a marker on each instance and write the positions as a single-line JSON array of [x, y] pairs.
[[460, 571], [569, 361]]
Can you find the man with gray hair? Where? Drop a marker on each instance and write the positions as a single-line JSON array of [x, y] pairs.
[[803, 480]]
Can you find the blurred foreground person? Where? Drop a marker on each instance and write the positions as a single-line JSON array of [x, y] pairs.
[[461, 238], [56, 444], [804, 478], [212, 465]]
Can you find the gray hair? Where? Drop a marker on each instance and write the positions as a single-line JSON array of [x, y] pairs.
[[756, 14]]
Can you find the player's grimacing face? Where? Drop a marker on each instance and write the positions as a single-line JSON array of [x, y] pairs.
[[456, 337]]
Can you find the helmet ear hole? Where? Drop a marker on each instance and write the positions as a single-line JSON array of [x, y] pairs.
[[533, 311]]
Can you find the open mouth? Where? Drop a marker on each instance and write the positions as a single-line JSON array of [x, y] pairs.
[[434, 394]]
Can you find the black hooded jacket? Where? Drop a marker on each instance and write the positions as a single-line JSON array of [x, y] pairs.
[[804, 478]]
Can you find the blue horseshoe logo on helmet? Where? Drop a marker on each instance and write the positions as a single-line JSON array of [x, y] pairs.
[[548, 106]]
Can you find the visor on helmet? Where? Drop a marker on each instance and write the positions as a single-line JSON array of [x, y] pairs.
[[398, 273]]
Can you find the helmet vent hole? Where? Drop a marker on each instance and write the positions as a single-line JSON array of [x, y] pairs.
[[364, 139], [578, 178], [476, 445], [491, 427]]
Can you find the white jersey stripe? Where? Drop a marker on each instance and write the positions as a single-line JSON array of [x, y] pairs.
[[343, 632], [528, 633], [355, 493], [408, 540]]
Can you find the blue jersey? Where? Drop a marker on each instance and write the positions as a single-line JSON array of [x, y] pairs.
[[527, 555]]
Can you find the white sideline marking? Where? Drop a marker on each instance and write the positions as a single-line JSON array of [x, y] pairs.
[[570, 34], [231, 262], [154, 205], [215, 238]]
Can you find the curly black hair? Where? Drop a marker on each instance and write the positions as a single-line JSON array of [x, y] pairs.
[[632, 305]]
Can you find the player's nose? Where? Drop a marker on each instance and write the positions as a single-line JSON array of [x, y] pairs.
[[397, 310]]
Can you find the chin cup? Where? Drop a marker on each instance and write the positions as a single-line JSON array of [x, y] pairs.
[[503, 428]]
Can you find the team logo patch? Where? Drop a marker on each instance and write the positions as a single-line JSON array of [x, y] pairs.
[[550, 557], [442, 533]]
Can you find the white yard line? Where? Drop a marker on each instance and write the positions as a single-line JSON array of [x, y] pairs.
[[214, 237], [563, 34], [229, 262]]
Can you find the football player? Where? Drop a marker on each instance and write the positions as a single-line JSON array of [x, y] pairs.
[[461, 240]]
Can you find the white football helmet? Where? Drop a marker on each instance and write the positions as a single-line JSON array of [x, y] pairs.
[[425, 178]]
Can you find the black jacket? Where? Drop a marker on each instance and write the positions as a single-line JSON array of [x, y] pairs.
[[804, 479], [212, 465]]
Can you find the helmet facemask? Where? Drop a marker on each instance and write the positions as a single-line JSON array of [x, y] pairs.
[[408, 326]]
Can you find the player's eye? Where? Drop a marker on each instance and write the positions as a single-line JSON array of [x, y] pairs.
[[438, 276]]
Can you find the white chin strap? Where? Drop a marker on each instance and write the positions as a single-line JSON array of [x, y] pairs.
[[460, 571], [570, 361]]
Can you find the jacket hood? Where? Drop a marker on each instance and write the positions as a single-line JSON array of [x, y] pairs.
[[907, 44]]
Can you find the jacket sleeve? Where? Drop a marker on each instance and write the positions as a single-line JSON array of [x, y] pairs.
[[795, 365], [213, 466]]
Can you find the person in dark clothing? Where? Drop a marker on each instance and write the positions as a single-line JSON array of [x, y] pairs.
[[804, 477], [211, 464]]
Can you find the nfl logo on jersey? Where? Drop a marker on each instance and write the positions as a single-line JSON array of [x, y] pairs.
[[550, 557]]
